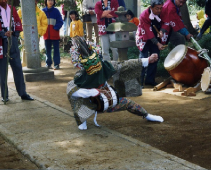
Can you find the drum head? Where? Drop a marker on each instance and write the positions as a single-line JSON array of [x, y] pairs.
[[175, 57], [205, 79]]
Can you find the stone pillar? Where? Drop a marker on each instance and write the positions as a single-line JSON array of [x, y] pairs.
[[33, 71]]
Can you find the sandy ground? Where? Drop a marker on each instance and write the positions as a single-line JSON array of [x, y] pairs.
[[184, 133]]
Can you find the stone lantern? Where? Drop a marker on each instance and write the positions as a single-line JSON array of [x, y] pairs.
[[130, 86], [122, 28]]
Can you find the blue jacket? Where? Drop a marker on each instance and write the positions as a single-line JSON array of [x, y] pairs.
[[55, 22]]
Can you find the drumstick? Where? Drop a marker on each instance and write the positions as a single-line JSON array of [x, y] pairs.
[[156, 29]]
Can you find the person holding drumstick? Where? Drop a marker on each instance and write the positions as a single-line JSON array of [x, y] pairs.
[[148, 39], [173, 25]]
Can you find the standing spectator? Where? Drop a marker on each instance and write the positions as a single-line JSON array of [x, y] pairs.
[[88, 8], [131, 17], [65, 18], [200, 17], [207, 23], [42, 24], [14, 59], [51, 36], [173, 24], [105, 16], [147, 40], [76, 26], [122, 3]]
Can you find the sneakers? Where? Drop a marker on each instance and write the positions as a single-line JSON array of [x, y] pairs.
[[3, 99], [56, 67], [49, 67]]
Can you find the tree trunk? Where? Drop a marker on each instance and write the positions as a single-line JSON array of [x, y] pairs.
[[31, 42], [186, 19]]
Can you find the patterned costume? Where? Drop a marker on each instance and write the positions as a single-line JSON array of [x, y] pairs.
[[91, 79]]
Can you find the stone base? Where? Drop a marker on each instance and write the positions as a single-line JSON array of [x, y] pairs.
[[32, 77]]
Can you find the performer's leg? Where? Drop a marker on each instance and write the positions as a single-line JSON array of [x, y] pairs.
[[105, 47], [131, 106], [114, 50]]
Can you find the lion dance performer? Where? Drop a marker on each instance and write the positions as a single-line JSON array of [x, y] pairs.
[[90, 85]]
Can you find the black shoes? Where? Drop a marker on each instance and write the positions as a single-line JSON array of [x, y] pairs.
[[3, 99], [26, 97]]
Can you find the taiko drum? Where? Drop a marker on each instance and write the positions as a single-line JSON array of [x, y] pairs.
[[184, 65]]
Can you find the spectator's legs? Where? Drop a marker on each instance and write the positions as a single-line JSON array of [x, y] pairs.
[[105, 46], [64, 26], [56, 56], [114, 50], [3, 63], [206, 25], [16, 66], [96, 33], [89, 27], [23, 54], [152, 67], [144, 54], [48, 44]]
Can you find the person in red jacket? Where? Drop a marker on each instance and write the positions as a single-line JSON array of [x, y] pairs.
[[51, 36], [14, 60]]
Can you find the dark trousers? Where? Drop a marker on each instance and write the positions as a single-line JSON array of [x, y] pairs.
[[56, 55], [206, 25], [16, 66], [151, 70]]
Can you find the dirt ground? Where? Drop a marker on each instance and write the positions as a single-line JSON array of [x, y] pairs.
[[184, 133]]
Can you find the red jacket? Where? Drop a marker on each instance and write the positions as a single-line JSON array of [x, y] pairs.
[[17, 27], [99, 12], [55, 22]]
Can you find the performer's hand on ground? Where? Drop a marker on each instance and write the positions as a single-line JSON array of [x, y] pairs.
[[153, 58], [160, 46], [189, 36], [8, 33]]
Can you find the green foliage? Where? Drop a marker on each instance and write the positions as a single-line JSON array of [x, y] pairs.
[[200, 3], [161, 71], [205, 42], [133, 52]]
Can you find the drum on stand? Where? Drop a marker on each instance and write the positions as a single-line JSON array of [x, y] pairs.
[[206, 79], [184, 65], [107, 99]]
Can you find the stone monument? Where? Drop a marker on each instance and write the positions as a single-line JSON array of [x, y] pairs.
[[33, 71]]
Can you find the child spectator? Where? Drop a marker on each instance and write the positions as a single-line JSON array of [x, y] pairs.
[[200, 17], [76, 26], [51, 36], [131, 18]]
